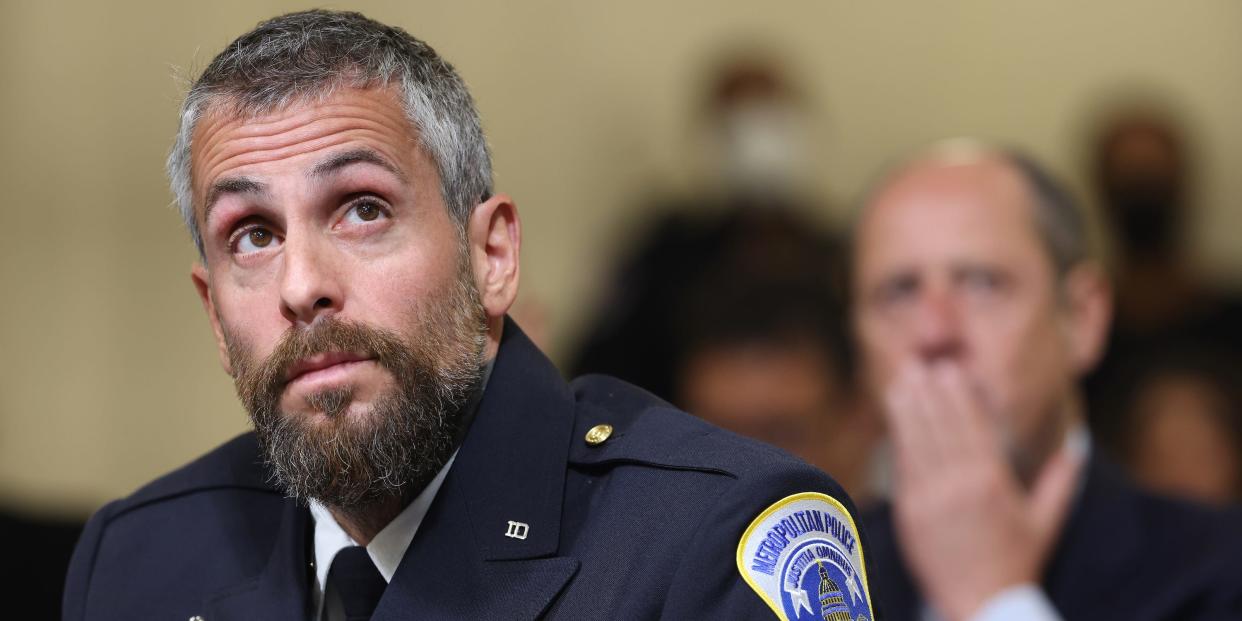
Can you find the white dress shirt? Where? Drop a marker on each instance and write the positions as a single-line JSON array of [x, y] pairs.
[[386, 549]]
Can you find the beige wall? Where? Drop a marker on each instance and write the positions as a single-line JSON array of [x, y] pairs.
[[108, 375]]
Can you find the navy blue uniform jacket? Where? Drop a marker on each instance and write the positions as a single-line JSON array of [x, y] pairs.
[[1124, 554], [643, 526]]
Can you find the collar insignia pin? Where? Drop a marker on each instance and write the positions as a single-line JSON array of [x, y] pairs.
[[517, 530]]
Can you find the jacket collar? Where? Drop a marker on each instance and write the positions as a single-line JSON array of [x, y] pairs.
[[1101, 538], [486, 548], [511, 466]]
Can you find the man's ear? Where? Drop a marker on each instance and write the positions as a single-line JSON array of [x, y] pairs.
[[1089, 312], [198, 274], [494, 235]]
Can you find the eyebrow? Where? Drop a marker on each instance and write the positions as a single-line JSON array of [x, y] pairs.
[[337, 161], [231, 185], [334, 163]]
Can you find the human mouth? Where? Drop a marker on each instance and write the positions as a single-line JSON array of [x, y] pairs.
[[323, 367]]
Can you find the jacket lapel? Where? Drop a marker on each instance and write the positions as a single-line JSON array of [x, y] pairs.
[[281, 591], [487, 547], [1100, 542]]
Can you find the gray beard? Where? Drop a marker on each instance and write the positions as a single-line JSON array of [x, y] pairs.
[[364, 459]]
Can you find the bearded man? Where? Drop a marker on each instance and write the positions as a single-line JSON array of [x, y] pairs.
[[414, 455]]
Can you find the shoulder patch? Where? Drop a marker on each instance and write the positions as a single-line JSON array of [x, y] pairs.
[[803, 556]]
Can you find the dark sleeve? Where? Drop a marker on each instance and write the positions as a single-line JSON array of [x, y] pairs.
[[81, 566], [708, 584]]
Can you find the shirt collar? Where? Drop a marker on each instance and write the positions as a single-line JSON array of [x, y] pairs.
[[388, 545]]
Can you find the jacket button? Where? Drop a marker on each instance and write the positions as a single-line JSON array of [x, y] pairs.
[[598, 434]]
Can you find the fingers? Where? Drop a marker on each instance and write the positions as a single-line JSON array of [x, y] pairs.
[[898, 406], [974, 434], [966, 526], [936, 424]]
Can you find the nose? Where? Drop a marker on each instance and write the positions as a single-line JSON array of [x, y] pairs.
[[937, 327], [310, 285]]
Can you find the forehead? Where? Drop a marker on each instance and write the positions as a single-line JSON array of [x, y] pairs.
[[944, 211], [225, 142]]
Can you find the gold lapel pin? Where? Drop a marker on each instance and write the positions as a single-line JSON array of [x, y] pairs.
[[598, 434]]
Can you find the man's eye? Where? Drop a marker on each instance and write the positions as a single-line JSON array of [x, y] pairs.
[[254, 239], [365, 211], [896, 289], [983, 280]]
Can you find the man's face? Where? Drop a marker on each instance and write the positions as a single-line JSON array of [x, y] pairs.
[[783, 394], [1181, 444], [340, 289], [949, 268]]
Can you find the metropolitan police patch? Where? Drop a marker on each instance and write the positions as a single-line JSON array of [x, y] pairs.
[[802, 555]]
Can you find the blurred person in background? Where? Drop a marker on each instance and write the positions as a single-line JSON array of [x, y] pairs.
[[744, 326], [752, 168], [1144, 173], [1181, 422], [730, 305], [977, 310], [767, 356], [414, 455], [634, 336], [755, 137]]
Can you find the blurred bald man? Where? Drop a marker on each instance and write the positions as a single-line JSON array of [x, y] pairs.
[[977, 310]]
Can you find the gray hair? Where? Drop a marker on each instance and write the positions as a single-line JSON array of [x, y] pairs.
[[308, 56], [1059, 220]]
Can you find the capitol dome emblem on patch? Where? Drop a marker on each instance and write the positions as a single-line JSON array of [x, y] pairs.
[[802, 555]]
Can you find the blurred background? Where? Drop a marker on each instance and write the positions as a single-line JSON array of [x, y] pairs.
[[684, 171]]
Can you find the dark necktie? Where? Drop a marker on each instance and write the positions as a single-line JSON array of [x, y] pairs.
[[354, 577]]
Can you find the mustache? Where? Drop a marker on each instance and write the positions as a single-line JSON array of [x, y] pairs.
[[266, 378]]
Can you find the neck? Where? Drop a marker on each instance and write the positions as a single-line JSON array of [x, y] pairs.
[[495, 328], [1048, 440]]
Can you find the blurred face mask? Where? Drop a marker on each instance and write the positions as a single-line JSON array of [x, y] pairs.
[[760, 147], [1142, 186], [1146, 213]]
